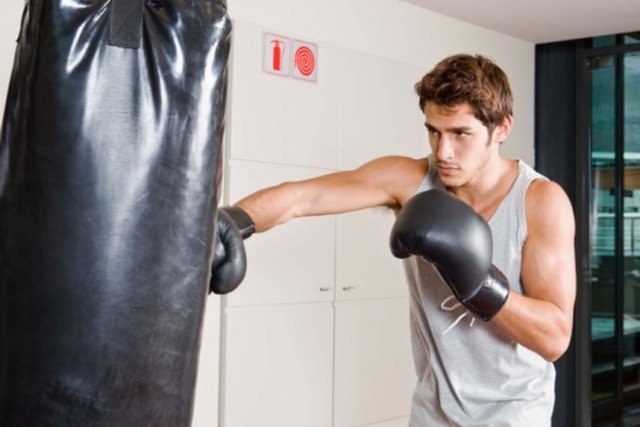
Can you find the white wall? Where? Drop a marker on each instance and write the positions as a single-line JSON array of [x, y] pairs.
[[404, 32]]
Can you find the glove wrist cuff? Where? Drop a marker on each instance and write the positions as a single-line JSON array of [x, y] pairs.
[[491, 295], [241, 218]]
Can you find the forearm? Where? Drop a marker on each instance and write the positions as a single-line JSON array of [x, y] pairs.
[[270, 206], [539, 325]]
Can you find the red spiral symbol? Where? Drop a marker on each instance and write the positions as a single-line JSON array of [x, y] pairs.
[[305, 61]]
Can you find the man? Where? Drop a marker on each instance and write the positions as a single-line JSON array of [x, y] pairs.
[[497, 371]]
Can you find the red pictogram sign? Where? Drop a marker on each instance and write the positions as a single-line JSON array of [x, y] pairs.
[[305, 60], [284, 57], [276, 54]]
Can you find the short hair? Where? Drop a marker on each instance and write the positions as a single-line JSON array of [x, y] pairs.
[[472, 79]]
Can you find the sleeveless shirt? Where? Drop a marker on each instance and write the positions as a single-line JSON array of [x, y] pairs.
[[469, 374]]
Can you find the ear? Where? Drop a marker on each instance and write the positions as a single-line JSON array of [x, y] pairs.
[[502, 131]]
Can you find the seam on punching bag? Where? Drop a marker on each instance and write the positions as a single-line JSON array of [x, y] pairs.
[[125, 23]]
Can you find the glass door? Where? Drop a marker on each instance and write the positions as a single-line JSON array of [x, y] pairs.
[[614, 81], [603, 227]]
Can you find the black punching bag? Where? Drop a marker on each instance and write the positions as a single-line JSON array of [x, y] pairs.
[[109, 169]]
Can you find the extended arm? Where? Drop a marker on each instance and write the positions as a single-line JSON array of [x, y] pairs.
[[381, 182]]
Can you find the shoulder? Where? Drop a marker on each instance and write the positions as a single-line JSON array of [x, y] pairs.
[[398, 176], [545, 192], [395, 170], [548, 207], [402, 175]]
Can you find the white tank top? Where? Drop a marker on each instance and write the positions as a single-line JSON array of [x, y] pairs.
[[469, 374]]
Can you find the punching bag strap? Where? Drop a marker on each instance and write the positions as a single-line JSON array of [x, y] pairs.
[[125, 23]]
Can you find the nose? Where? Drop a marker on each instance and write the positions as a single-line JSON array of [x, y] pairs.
[[444, 149]]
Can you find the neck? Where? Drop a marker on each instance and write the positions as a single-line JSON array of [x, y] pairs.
[[485, 192]]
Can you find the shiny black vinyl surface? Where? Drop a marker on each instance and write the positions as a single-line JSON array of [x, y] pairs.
[[110, 161]]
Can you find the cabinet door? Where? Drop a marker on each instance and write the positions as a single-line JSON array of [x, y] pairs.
[[374, 373], [278, 366], [281, 119], [365, 267], [291, 263]]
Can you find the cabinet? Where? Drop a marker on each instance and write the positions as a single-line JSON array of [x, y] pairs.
[[374, 375], [278, 366], [318, 332], [289, 264], [365, 268]]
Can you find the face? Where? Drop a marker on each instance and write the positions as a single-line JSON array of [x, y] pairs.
[[461, 144]]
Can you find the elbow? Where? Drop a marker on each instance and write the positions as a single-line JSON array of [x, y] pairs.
[[558, 338], [553, 354], [556, 347]]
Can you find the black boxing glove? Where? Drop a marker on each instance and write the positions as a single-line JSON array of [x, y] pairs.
[[451, 235], [229, 257]]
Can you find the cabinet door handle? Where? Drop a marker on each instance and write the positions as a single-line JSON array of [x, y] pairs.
[[325, 289], [348, 288]]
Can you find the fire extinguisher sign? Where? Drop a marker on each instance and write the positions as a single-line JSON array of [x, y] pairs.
[[277, 54], [285, 57]]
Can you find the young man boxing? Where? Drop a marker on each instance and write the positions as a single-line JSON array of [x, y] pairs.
[[489, 251]]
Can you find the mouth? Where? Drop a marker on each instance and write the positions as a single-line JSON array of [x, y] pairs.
[[446, 170]]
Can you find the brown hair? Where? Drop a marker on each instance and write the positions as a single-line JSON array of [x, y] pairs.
[[474, 80]]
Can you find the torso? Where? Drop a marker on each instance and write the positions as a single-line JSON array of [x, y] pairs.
[[505, 383]]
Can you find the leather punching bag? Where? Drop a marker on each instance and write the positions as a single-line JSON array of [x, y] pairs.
[[109, 169]]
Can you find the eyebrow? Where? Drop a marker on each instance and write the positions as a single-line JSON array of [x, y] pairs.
[[452, 129]]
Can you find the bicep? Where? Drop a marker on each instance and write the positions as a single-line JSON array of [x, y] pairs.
[[548, 264]]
